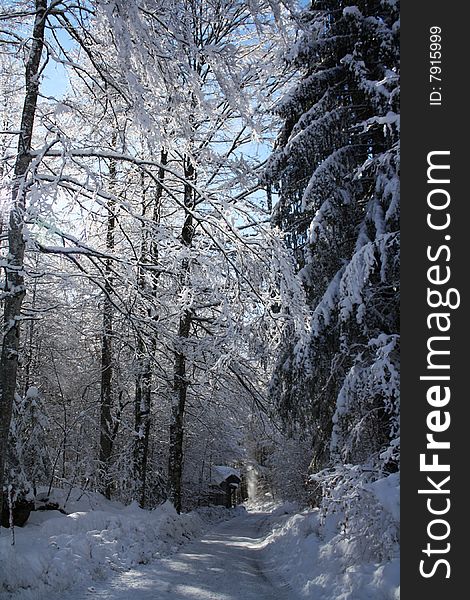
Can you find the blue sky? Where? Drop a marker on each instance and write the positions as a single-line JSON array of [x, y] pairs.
[[55, 80]]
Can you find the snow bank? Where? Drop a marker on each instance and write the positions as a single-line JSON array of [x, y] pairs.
[[54, 552], [387, 492], [319, 562]]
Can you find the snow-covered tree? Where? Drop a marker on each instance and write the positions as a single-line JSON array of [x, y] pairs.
[[13, 291], [336, 168], [145, 233]]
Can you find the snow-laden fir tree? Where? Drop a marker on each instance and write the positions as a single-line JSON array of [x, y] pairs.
[[336, 169]]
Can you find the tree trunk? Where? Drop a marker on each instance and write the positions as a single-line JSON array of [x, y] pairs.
[[14, 283], [143, 395], [180, 381], [106, 417], [30, 355], [142, 425]]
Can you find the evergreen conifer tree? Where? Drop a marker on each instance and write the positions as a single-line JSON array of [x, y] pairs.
[[336, 169]]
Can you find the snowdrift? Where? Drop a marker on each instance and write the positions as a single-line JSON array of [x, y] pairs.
[[55, 552], [317, 560]]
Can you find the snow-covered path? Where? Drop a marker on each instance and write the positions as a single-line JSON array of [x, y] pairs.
[[226, 564]]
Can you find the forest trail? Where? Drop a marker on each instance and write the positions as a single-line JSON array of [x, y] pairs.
[[225, 564]]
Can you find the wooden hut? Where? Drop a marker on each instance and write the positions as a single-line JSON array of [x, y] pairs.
[[225, 482]]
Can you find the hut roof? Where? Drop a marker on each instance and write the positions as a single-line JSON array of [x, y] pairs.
[[221, 473]]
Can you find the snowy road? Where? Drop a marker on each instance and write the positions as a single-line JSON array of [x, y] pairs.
[[226, 564]]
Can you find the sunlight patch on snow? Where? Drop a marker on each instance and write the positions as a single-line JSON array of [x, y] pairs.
[[189, 591]]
